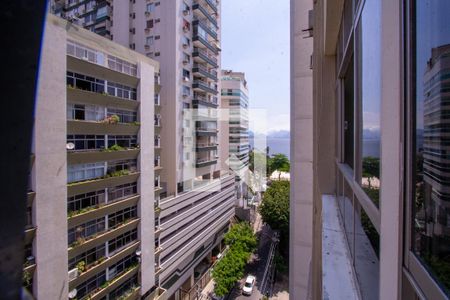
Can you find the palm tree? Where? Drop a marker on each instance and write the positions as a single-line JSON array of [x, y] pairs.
[[279, 162]]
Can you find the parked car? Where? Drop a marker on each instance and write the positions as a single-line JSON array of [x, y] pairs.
[[248, 285]]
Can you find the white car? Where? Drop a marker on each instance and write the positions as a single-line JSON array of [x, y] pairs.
[[248, 285]]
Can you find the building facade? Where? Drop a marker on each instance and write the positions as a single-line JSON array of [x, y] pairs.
[[234, 103], [91, 182], [195, 195], [369, 97]]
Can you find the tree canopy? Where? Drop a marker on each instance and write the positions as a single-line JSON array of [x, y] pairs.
[[242, 242], [279, 162], [274, 209]]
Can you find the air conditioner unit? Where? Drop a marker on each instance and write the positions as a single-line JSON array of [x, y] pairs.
[[73, 274], [186, 78]]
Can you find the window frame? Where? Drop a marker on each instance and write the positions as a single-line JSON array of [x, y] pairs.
[[413, 269]]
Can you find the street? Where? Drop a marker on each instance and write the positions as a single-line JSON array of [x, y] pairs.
[[257, 264]]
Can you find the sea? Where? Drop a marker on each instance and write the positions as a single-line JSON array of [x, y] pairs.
[[279, 145], [282, 145]]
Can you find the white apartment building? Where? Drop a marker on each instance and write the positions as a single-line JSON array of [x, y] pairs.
[[196, 195], [234, 104]]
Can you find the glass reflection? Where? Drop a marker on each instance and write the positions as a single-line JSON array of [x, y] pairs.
[[431, 234], [369, 68]]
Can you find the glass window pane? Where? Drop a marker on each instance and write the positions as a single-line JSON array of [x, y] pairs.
[[431, 211], [369, 94]]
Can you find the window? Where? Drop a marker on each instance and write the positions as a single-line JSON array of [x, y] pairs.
[[84, 82], [86, 230], [122, 165], [150, 24], [358, 92], [88, 257], [121, 266], [149, 40], [150, 7], [91, 284], [121, 91], [186, 75], [125, 141], [120, 65], [85, 112], [185, 41], [122, 191], [82, 201], [430, 87], [157, 37], [186, 58], [118, 218], [157, 54], [85, 171], [102, 12], [368, 39], [125, 116], [186, 91], [121, 241]]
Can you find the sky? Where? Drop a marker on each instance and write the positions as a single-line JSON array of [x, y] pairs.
[[255, 40]]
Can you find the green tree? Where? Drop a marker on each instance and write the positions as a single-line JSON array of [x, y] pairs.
[[279, 162], [371, 167], [274, 210], [241, 242]]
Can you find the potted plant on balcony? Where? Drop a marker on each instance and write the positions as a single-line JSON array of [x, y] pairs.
[[81, 266]]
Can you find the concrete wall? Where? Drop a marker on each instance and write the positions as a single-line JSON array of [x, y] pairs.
[[302, 141], [146, 180], [50, 171]]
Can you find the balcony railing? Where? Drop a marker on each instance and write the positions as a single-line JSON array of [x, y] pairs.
[[210, 29], [204, 86], [94, 56], [204, 41], [198, 68], [203, 162], [211, 3], [204, 11], [205, 56]]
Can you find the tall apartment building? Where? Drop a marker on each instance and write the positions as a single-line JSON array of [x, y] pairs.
[[234, 102], [197, 194], [369, 123], [91, 184]]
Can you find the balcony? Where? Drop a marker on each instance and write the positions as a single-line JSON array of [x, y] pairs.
[[95, 184], [204, 162], [111, 285], [204, 87], [94, 212], [209, 29], [30, 233], [197, 8], [206, 131], [98, 128], [76, 95], [102, 264], [202, 42], [200, 147], [200, 100], [85, 66], [202, 55], [91, 156], [203, 71], [102, 237]]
